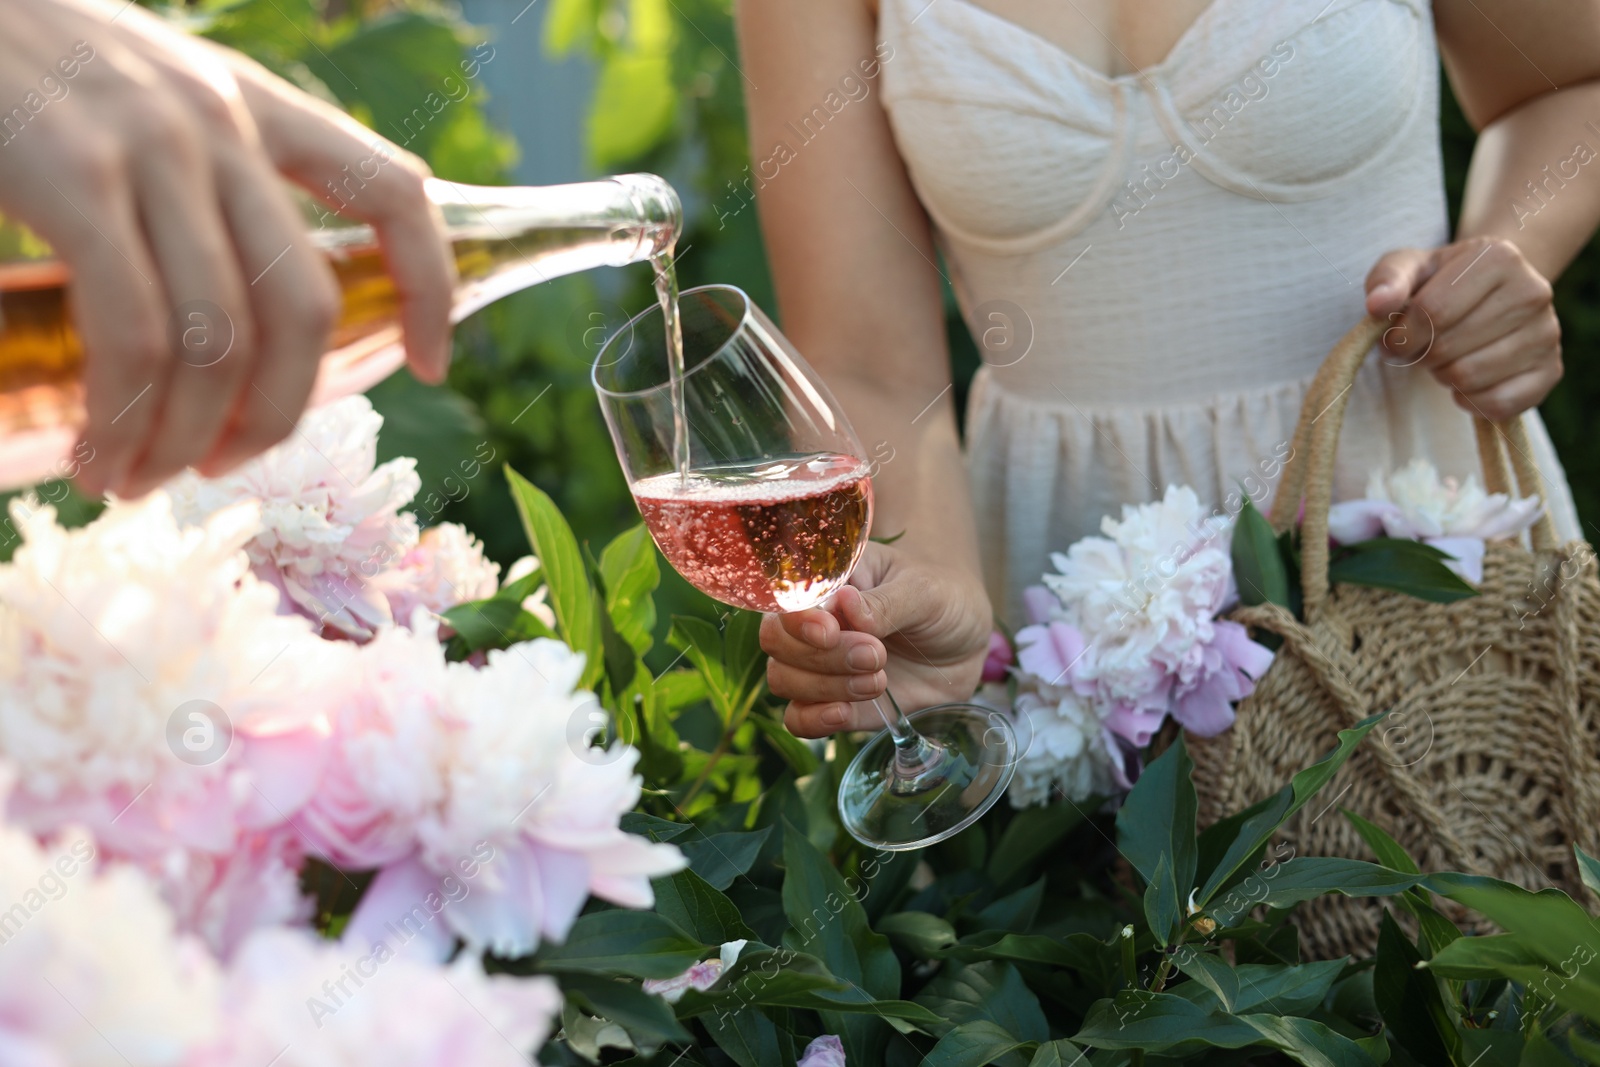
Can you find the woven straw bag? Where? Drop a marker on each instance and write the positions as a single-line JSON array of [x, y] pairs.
[[1489, 760]]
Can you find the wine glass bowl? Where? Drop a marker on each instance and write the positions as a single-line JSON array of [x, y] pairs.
[[771, 512], [774, 513]]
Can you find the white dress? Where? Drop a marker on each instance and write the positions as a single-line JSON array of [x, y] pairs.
[[1173, 253]]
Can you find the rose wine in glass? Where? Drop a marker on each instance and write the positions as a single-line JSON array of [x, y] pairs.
[[757, 491]]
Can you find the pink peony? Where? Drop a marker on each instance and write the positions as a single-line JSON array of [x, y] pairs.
[[701, 977], [446, 567], [443, 761], [293, 1001], [825, 1051], [997, 665], [93, 972], [330, 517], [390, 728], [142, 670]]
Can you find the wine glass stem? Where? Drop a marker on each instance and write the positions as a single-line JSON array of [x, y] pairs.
[[914, 755]]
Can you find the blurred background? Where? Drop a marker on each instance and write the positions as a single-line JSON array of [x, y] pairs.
[[571, 89]]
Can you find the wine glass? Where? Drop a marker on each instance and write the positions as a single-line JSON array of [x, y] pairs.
[[773, 515]]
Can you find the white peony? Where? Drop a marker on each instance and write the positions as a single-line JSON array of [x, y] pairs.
[[1415, 503], [446, 567], [92, 973], [1067, 747], [329, 514], [1144, 598]]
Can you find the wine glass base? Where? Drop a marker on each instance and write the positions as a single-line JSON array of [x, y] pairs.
[[976, 752]]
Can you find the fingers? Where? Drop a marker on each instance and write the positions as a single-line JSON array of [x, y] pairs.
[[813, 662], [825, 719], [296, 303], [415, 250], [1395, 278], [1513, 396], [1481, 291], [119, 308], [210, 328], [364, 176]]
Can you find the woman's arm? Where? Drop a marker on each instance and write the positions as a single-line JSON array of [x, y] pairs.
[[1528, 78], [853, 261]]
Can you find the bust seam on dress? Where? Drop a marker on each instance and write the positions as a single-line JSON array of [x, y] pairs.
[[1237, 181], [1105, 130], [1074, 222]]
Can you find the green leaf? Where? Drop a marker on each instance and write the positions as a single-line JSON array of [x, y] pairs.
[[828, 921], [1161, 1022], [1410, 1001], [1257, 564], [1549, 922], [1161, 908], [688, 900], [795, 752], [741, 651], [1158, 820], [639, 944], [768, 977], [1486, 957], [1307, 877], [1387, 849], [1540, 1051], [1588, 870], [1062, 1053], [1408, 567], [647, 1018], [498, 622], [571, 596], [393, 68], [569, 24], [1075, 952], [443, 430], [974, 1044], [1255, 831], [1281, 988], [628, 566], [678, 689], [636, 822], [1029, 837], [701, 644], [720, 858], [636, 87], [750, 1038], [919, 933], [1015, 911], [991, 991]]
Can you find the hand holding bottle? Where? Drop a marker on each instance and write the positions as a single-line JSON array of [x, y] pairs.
[[150, 161]]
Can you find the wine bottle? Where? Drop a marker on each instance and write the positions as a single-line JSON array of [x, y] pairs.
[[504, 239]]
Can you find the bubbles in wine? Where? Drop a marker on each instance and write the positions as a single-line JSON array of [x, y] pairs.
[[781, 535]]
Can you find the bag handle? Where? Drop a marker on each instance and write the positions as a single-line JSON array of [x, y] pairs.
[[1309, 473]]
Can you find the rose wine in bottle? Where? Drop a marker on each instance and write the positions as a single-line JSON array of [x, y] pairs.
[[504, 239], [780, 535]]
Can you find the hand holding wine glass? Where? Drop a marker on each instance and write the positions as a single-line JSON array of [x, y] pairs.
[[757, 490], [919, 628]]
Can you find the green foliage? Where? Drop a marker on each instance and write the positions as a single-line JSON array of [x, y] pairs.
[[1016, 948]]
